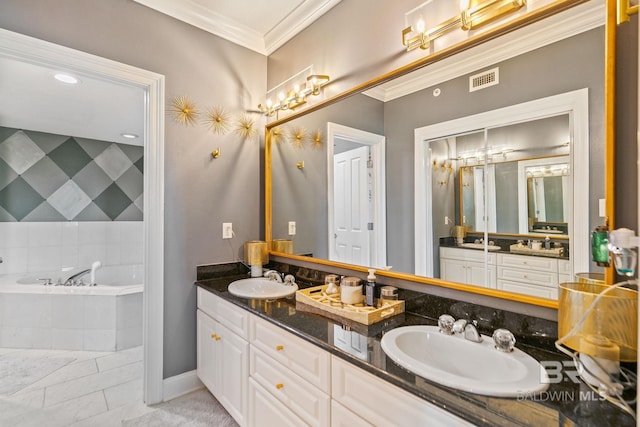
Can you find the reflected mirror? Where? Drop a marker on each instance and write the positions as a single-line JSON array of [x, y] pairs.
[[488, 196]]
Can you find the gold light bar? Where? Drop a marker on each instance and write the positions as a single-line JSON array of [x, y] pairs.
[[474, 14], [624, 10], [481, 12], [296, 96]]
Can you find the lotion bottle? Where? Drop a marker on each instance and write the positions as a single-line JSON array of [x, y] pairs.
[[370, 291]]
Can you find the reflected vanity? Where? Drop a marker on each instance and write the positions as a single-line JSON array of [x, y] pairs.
[[519, 178]]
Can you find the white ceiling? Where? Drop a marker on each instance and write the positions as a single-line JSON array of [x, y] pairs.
[[260, 25], [97, 109]]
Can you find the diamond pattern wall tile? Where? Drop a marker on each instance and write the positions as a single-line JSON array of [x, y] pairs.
[[131, 182], [6, 216], [45, 177], [140, 165], [46, 141], [19, 152], [69, 200], [113, 161], [133, 152], [18, 198], [44, 212], [92, 213], [93, 147], [7, 174], [70, 157], [93, 180], [131, 213], [113, 201]]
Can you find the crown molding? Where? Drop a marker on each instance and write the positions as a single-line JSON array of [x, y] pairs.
[[222, 26], [558, 27], [299, 19]]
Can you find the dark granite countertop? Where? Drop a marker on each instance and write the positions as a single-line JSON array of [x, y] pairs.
[[504, 244], [563, 404]]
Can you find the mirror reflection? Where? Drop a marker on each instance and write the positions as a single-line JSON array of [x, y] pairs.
[[483, 182]]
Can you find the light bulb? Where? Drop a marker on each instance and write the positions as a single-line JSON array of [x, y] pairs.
[[420, 26], [464, 4]]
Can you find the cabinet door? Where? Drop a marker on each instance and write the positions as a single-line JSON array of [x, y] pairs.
[[528, 289], [208, 354], [234, 371], [478, 274], [342, 417], [453, 270], [265, 410]]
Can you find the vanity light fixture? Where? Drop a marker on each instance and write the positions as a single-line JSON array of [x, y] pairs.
[[295, 97], [473, 14], [624, 9]]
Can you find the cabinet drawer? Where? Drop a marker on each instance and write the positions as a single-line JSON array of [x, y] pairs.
[[467, 254], [303, 358], [305, 400], [234, 318], [342, 417], [540, 278], [381, 403], [529, 262], [265, 410], [528, 289]]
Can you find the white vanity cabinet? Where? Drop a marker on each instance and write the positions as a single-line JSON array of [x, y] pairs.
[[294, 372], [530, 275], [223, 352], [564, 271], [369, 400], [468, 266]]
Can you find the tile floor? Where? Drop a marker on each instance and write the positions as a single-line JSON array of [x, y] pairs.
[[70, 388]]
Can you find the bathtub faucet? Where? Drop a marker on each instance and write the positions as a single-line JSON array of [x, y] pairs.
[[76, 279]]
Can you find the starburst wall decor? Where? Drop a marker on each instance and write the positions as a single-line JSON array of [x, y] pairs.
[[218, 120], [245, 127], [183, 110]]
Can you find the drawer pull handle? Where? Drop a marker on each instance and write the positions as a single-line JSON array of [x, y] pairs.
[[526, 277], [279, 347], [218, 338], [214, 336], [279, 386]]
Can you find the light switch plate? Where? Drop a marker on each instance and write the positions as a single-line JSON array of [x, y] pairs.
[[227, 230], [292, 228]]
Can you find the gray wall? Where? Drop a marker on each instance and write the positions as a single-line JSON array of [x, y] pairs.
[[199, 193]]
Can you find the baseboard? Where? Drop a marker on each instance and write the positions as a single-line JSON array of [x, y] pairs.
[[179, 385]]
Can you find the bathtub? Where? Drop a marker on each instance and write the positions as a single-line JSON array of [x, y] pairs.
[[105, 317]]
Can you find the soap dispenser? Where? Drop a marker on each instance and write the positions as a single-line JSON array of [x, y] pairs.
[[370, 292]]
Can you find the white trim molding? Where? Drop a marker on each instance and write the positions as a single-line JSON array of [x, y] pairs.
[[28, 49], [575, 103], [180, 385], [378, 150]]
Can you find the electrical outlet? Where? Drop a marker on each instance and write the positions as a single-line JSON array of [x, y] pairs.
[[227, 230], [446, 220], [292, 228], [602, 208]]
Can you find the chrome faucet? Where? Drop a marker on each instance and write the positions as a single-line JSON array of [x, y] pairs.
[[471, 333], [449, 326], [76, 279], [273, 275]]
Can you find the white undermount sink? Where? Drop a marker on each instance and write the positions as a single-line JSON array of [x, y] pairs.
[[479, 246], [261, 288], [455, 362]]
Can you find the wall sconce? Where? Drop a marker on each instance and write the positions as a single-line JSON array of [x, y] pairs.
[[473, 14], [300, 165], [624, 9], [295, 97]]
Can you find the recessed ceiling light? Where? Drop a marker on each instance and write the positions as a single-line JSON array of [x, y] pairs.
[[66, 78], [129, 135]]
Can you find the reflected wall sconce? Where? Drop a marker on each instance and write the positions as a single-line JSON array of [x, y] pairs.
[[296, 96], [300, 165], [473, 14], [624, 9], [216, 153]]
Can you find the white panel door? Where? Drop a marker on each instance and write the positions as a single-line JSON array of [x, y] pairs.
[[351, 207]]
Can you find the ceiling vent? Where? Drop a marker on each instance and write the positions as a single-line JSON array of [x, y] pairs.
[[484, 79]]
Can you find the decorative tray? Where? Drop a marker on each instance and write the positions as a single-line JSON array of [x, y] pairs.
[[553, 252], [316, 300]]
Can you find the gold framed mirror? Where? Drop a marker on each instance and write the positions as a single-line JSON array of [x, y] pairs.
[[352, 95]]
